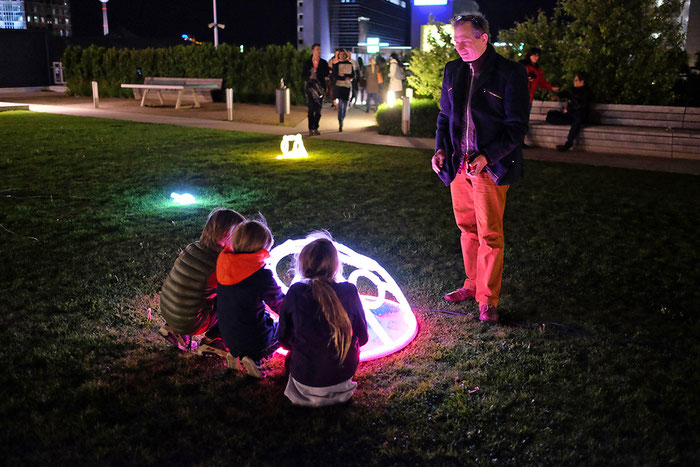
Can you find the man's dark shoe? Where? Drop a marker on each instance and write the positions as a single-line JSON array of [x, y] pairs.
[[488, 313], [564, 147], [212, 347], [460, 295]]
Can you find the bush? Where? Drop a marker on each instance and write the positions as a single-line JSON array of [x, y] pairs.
[[632, 53], [253, 75], [424, 114]]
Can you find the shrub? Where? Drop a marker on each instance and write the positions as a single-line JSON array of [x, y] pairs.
[[424, 114], [253, 75], [632, 53]]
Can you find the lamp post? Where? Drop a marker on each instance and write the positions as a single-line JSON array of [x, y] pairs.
[[216, 26], [105, 25]]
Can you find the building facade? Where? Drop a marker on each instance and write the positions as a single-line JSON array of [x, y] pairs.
[[12, 14], [48, 15], [348, 23]]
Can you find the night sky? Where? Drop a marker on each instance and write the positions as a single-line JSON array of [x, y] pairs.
[[248, 22]]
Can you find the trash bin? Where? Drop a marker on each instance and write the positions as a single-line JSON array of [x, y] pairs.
[[282, 101]]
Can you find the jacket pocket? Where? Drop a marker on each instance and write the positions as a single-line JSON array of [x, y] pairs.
[[486, 91]]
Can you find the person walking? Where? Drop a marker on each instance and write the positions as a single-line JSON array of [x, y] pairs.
[[314, 74], [344, 73], [372, 78], [396, 76], [478, 154]]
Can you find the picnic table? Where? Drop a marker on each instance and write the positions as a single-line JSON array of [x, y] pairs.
[[179, 85]]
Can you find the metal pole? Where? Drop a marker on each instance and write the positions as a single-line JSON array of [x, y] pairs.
[[229, 103], [216, 28], [406, 115], [95, 95]]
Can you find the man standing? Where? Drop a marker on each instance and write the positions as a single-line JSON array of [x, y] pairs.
[[478, 153], [314, 74]]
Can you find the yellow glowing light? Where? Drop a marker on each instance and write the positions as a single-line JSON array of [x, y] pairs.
[[391, 98], [293, 147]]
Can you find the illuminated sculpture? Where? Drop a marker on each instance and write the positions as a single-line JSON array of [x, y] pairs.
[[297, 151], [184, 198], [391, 323]]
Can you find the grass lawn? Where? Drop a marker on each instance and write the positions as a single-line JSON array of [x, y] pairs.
[[597, 362]]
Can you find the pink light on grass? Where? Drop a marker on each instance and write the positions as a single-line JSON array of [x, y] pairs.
[[391, 323]]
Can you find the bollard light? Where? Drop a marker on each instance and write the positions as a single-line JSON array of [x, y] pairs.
[[409, 93], [391, 98]]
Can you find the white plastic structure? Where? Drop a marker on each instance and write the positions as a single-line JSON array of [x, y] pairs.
[[391, 323], [296, 150], [183, 199]]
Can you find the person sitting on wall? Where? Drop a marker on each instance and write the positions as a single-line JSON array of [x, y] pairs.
[[579, 101]]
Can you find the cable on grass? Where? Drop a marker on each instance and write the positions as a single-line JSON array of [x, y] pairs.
[[435, 310], [23, 236]]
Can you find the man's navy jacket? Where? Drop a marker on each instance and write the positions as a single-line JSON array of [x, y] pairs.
[[499, 109]]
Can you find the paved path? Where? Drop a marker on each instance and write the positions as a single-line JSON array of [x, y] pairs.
[[359, 127]]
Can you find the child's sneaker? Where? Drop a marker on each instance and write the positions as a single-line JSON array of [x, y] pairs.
[[252, 368], [181, 341], [212, 347]]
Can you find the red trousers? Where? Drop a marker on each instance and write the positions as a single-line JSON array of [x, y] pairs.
[[478, 205]]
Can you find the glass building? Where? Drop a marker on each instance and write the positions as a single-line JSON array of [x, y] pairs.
[[12, 14], [348, 24], [49, 15]]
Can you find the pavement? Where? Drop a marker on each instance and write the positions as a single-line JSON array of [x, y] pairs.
[[359, 126]]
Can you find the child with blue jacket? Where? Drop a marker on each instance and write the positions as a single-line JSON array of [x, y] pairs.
[[323, 325], [245, 286]]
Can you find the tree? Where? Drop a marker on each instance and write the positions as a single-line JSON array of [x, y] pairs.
[[427, 66], [631, 50]]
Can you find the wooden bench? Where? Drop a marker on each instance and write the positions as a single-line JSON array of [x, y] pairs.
[[661, 131], [200, 88]]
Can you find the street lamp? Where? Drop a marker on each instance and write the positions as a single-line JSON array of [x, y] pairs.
[[105, 25], [216, 26]]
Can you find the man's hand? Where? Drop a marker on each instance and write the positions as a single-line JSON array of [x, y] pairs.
[[477, 165], [438, 160]]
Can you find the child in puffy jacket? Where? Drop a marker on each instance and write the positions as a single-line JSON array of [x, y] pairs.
[[322, 323], [245, 287], [188, 296]]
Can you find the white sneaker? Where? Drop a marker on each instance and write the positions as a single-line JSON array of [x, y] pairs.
[[252, 368]]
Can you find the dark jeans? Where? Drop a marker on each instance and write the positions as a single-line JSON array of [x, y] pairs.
[[574, 118], [372, 96], [342, 109], [314, 113]]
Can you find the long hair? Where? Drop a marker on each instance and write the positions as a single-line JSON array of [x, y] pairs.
[[318, 262], [250, 236], [220, 224]]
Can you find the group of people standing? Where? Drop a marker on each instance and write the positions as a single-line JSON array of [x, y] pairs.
[[344, 82]]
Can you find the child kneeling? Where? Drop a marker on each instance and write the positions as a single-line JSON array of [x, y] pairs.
[[323, 325], [245, 287], [188, 296]]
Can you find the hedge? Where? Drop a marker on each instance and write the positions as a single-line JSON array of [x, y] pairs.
[[424, 114], [254, 74]]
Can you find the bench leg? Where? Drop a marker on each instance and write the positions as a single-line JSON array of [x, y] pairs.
[[160, 97], [194, 95], [179, 99], [143, 97]]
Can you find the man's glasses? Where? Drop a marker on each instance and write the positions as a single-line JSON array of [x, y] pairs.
[[477, 21]]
